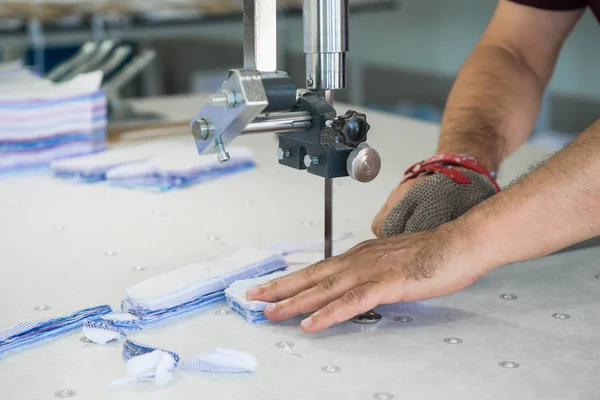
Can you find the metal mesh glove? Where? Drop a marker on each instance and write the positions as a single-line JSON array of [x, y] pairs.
[[435, 200]]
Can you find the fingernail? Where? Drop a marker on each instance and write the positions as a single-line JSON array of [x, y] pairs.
[[307, 322], [270, 308], [251, 292]]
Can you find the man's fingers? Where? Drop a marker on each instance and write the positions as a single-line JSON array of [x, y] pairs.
[[357, 301], [296, 282], [314, 298]]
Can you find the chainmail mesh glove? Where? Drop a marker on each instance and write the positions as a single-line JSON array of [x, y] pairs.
[[436, 200]]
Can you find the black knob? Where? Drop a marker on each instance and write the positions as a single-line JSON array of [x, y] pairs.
[[351, 127]]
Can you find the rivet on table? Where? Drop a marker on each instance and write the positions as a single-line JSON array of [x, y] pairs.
[[213, 238], [65, 393], [110, 253], [508, 296], [308, 223], [284, 344], [453, 340], [139, 268], [223, 312], [597, 276], [249, 202], [508, 364], [383, 396], [368, 318], [561, 316], [403, 319], [331, 369], [43, 307]]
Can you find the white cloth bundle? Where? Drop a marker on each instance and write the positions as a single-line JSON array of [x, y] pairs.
[[196, 285]]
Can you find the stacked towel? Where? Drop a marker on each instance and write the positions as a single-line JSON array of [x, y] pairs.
[[251, 311], [177, 169], [195, 286], [41, 121], [27, 334]]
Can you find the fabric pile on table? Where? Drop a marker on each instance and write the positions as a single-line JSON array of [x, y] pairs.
[[41, 121], [157, 166], [195, 286], [251, 311], [27, 334]]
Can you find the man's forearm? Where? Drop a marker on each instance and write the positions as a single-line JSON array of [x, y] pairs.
[[555, 206], [492, 106]]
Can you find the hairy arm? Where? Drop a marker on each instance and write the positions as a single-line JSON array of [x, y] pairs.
[[497, 94], [553, 207]]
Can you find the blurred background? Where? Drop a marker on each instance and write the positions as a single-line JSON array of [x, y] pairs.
[[403, 56]]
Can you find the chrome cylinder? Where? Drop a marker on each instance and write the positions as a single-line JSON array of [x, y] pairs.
[[325, 43], [280, 122]]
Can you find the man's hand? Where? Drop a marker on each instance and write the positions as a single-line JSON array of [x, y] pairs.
[[384, 271], [394, 198]]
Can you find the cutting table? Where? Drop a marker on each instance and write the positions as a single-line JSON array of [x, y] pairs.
[[526, 331]]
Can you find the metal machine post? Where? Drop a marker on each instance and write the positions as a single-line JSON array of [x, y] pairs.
[[258, 99]]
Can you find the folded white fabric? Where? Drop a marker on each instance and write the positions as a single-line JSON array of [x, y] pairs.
[[146, 364], [194, 286], [252, 311], [225, 361], [102, 332], [41, 121], [27, 334], [181, 168]]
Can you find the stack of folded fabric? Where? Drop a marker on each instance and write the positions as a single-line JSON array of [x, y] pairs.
[[175, 169], [195, 286], [251, 311], [27, 334], [41, 121]]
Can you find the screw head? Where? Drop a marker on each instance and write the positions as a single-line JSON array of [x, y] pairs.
[[368, 318], [281, 153], [139, 268], [42, 307], [223, 312], [331, 369], [383, 396], [308, 161], [223, 157], [508, 296], [453, 340], [597, 277], [403, 319], [561, 316], [309, 81], [65, 393], [283, 345], [508, 364]]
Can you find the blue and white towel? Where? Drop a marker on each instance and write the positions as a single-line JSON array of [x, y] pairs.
[[251, 311], [41, 121], [195, 286], [179, 168], [123, 320], [28, 334]]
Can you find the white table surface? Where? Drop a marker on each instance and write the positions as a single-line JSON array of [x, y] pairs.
[[67, 269]]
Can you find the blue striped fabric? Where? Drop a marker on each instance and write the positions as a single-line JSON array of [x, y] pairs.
[[132, 349], [27, 334], [223, 361]]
